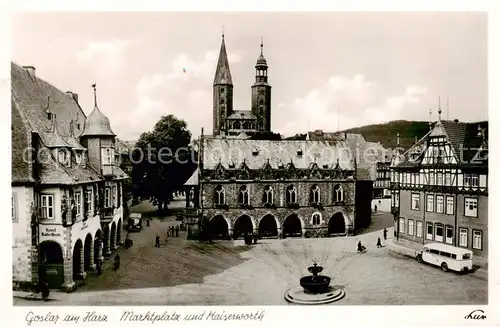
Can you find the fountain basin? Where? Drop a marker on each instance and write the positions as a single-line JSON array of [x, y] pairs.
[[315, 284]]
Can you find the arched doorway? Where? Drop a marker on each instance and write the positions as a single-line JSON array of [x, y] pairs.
[[119, 236], [97, 246], [336, 224], [51, 268], [88, 253], [78, 260], [242, 224], [292, 226], [268, 227], [113, 236], [218, 228]]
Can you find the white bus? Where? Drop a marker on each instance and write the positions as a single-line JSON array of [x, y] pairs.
[[446, 256]]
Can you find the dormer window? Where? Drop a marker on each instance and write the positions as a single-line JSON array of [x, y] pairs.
[[255, 152], [49, 115], [325, 166], [78, 158], [299, 152], [64, 157]]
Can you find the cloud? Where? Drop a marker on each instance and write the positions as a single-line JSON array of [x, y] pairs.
[[101, 50], [343, 102], [183, 89]]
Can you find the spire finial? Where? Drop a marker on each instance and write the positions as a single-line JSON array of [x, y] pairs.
[[439, 109], [95, 94], [222, 32], [261, 45]]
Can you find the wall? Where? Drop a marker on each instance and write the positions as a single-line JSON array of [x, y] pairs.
[[21, 235], [479, 223], [383, 205]]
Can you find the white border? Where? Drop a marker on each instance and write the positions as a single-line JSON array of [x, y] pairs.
[[327, 315]]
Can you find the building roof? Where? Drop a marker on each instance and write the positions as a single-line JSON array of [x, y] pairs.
[[32, 100], [261, 61], [97, 124], [256, 153], [222, 73], [242, 114], [466, 139], [193, 180]]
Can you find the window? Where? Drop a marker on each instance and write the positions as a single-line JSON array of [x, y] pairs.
[[316, 219], [463, 237], [438, 233], [115, 196], [439, 203], [447, 179], [474, 180], [477, 239], [78, 202], [78, 158], [315, 195], [61, 157], [268, 195], [107, 197], [467, 180], [338, 193], [470, 207], [243, 198], [430, 203], [415, 201], [47, 206], [433, 251], [401, 225], [220, 195], [107, 156], [439, 178], [449, 205], [419, 229], [89, 201], [432, 178], [429, 231], [14, 207], [449, 234], [410, 227], [291, 195]]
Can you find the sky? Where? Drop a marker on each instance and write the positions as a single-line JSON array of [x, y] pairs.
[[328, 71]]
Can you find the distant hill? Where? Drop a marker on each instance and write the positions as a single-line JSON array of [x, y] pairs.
[[386, 133]]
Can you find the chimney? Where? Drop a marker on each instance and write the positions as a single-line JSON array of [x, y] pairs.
[[455, 121], [31, 70], [73, 95]]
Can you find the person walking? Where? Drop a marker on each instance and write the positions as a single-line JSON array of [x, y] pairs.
[[177, 231], [117, 261], [375, 209], [385, 234], [99, 267], [379, 243], [157, 243]]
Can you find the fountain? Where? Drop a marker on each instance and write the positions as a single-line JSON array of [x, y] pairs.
[[314, 289]]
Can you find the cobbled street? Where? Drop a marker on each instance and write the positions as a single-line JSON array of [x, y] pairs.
[[184, 272]]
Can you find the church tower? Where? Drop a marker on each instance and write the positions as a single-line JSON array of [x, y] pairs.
[[261, 94], [223, 93]]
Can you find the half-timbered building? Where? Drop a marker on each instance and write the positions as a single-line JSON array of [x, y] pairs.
[[439, 188], [67, 208]]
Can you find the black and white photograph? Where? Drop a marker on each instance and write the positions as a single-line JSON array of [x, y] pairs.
[[249, 159]]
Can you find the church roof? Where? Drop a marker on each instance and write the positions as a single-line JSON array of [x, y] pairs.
[[242, 114], [256, 153], [97, 124], [222, 73], [261, 61]]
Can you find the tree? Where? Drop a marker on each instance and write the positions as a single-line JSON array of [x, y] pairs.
[[162, 161]]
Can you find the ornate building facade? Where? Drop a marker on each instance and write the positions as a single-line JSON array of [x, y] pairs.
[[66, 187], [272, 188], [440, 188]]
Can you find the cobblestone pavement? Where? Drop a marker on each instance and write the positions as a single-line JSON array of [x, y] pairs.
[[263, 272]]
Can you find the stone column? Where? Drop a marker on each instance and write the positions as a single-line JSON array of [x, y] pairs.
[[68, 284], [280, 233], [82, 274], [120, 234], [113, 240], [304, 232], [91, 265], [107, 246], [187, 199], [231, 236]]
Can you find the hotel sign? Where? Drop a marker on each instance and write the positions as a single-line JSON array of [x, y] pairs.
[[52, 231]]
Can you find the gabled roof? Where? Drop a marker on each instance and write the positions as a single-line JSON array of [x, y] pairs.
[[222, 73], [242, 114]]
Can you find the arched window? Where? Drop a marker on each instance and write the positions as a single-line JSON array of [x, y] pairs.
[[244, 198], [314, 196], [246, 125], [338, 193], [268, 195], [220, 195], [236, 125], [316, 218], [291, 195]]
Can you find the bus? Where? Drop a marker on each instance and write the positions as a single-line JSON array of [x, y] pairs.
[[446, 256], [135, 222]]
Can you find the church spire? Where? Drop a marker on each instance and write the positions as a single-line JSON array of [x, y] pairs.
[[223, 74]]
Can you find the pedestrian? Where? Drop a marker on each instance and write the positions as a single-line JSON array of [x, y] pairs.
[[255, 238], [157, 244], [117, 261], [375, 209], [379, 243], [99, 266], [385, 234], [177, 231]]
